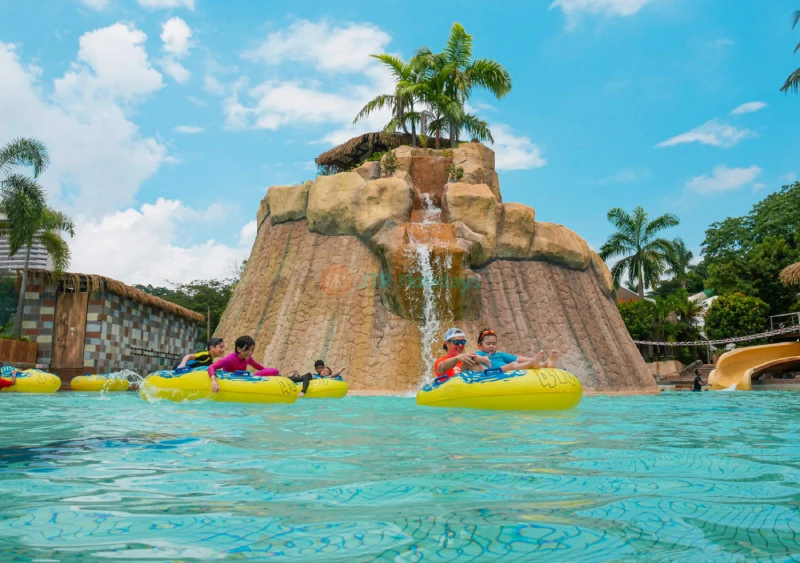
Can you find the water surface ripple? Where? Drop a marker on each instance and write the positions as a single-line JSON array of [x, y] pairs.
[[676, 477]]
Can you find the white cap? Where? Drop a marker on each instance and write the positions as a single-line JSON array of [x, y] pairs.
[[452, 333]]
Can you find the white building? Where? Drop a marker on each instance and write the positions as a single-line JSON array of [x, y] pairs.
[[39, 257]]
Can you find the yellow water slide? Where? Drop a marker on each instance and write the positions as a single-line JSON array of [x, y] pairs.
[[739, 367]]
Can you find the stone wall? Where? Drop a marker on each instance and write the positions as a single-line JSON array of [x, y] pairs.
[[120, 332]]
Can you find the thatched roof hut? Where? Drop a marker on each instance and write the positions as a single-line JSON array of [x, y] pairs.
[[791, 274], [93, 284], [350, 153]]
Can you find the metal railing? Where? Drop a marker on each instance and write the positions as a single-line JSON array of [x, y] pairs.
[[784, 321]]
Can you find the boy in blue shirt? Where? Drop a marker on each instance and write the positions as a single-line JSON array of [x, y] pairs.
[[487, 346]]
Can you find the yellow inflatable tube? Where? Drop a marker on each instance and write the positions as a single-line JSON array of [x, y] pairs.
[[99, 382], [325, 388], [546, 389], [238, 387], [32, 381]]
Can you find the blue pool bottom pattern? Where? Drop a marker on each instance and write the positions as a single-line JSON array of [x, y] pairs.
[[675, 477]]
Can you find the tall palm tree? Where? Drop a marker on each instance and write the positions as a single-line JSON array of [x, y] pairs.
[[26, 218], [793, 80], [644, 255], [681, 261], [405, 74], [461, 74]]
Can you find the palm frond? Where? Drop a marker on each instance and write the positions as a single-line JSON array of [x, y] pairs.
[[57, 248], [490, 75], [24, 152], [458, 49], [792, 82], [376, 104]]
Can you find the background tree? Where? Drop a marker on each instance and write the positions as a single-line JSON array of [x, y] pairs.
[[793, 80], [26, 218], [644, 255], [735, 314], [681, 261]]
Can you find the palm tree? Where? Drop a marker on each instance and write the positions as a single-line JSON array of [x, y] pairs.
[[793, 81], [681, 261], [405, 74], [26, 218], [460, 74], [644, 256]]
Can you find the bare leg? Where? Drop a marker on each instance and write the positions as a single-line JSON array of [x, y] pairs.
[[551, 361]]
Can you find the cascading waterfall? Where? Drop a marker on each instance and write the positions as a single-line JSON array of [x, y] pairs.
[[431, 326]]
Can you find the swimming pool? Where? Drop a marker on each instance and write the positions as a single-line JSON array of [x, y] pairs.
[[675, 477]]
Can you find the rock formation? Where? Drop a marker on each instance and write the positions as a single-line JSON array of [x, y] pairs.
[[367, 271]]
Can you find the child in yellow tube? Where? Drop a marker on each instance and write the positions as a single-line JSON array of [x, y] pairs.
[[487, 347]]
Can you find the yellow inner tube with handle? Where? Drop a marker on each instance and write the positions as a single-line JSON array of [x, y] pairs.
[[188, 384], [546, 389], [325, 388], [99, 382], [31, 381]]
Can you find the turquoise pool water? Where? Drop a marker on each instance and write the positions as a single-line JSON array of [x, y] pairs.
[[677, 477]]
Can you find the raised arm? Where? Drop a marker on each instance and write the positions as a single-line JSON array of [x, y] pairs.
[[185, 360]]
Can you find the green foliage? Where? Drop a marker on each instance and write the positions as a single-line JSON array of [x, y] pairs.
[[376, 156], [639, 317], [694, 281], [455, 173], [746, 254], [793, 80], [644, 255], [198, 295], [735, 314], [389, 164], [326, 170]]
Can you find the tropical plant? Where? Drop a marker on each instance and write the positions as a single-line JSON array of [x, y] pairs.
[[735, 314], [681, 261], [644, 255], [638, 317], [389, 164], [793, 80], [453, 75], [27, 220], [455, 173]]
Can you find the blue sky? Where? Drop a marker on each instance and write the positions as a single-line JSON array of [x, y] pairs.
[[168, 119]]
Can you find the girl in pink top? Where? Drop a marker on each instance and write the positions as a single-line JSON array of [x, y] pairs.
[[238, 361]]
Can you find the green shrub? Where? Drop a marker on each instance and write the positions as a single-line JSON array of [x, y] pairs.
[[376, 156], [455, 173], [389, 164], [639, 317], [735, 314]]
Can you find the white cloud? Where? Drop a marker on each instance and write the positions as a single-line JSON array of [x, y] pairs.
[[212, 85], [625, 176], [711, 133], [788, 178], [514, 153], [722, 42], [188, 129], [175, 70], [113, 66], [99, 158], [758, 186], [177, 37], [247, 235], [573, 8], [151, 239], [165, 4], [342, 49], [723, 179], [749, 107], [95, 4], [196, 101]]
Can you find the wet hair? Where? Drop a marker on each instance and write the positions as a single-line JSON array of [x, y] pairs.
[[212, 342], [319, 363], [484, 333], [244, 343]]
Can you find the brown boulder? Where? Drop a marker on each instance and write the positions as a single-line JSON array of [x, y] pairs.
[[515, 232], [477, 245], [287, 203], [604, 277], [474, 205], [477, 161], [557, 244], [379, 201], [369, 170], [330, 204]]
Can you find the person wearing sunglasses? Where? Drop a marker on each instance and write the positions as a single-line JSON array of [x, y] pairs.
[[456, 359]]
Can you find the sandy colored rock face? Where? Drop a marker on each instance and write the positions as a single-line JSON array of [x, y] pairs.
[[263, 211], [557, 244], [331, 203], [369, 170], [604, 277], [287, 203], [379, 201], [479, 249], [477, 160], [475, 206], [515, 232], [305, 296]]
